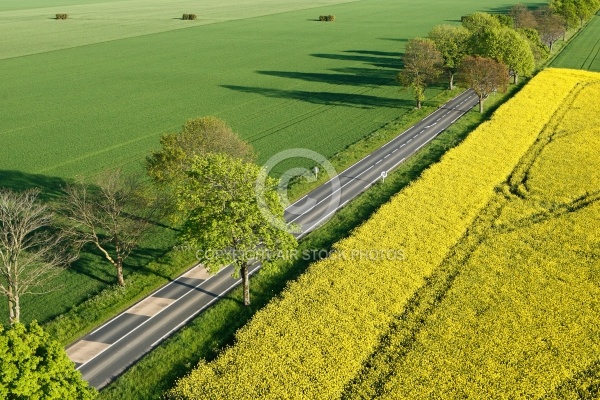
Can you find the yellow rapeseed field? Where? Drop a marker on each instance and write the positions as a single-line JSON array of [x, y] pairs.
[[480, 304]]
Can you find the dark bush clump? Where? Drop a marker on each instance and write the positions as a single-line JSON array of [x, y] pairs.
[[62, 16], [189, 17], [329, 18]]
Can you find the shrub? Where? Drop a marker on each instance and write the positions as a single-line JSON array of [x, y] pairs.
[[189, 17], [62, 16], [330, 18]]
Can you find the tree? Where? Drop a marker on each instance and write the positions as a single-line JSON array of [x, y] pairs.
[[567, 10], [584, 9], [550, 27], [484, 76], [422, 66], [523, 17], [515, 52], [33, 366], [114, 216], [539, 50], [452, 43], [480, 21], [198, 137], [32, 251], [505, 20], [228, 215]]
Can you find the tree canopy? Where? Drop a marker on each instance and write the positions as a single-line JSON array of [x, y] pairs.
[[233, 215], [33, 366], [452, 43], [198, 137]]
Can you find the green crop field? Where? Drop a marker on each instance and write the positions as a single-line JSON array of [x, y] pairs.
[[584, 51], [98, 89], [104, 84]]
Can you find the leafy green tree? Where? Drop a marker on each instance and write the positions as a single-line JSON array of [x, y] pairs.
[[198, 137], [515, 52], [505, 20], [32, 249], [422, 66], [452, 43], [484, 75], [506, 46], [480, 21], [539, 50], [566, 9], [229, 217], [485, 38], [33, 366]]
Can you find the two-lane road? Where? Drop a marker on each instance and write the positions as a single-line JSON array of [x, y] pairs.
[[319, 205], [107, 352]]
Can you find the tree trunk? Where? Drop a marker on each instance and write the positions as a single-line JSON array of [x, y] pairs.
[[120, 279], [419, 104], [11, 308], [551, 43], [481, 104], [516, 77], [17, 312], [245, 282], [451, 75]]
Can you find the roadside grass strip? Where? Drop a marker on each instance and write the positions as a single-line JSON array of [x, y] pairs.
[[315, 338]]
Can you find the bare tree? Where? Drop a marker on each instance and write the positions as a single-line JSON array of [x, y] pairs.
[[484, 76], [32, 251], [551, 27], [522, 16], [114, 216]]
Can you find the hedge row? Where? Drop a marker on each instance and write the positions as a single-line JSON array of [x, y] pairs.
[[189, 17], [62, 16], [314, 339]]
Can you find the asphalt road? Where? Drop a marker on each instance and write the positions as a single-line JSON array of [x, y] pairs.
[[114, 347]]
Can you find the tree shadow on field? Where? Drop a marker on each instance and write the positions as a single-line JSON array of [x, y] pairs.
[[395, 39], [355, 100], [49, 186], [506, 9], [394, 62], [345, 76]]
